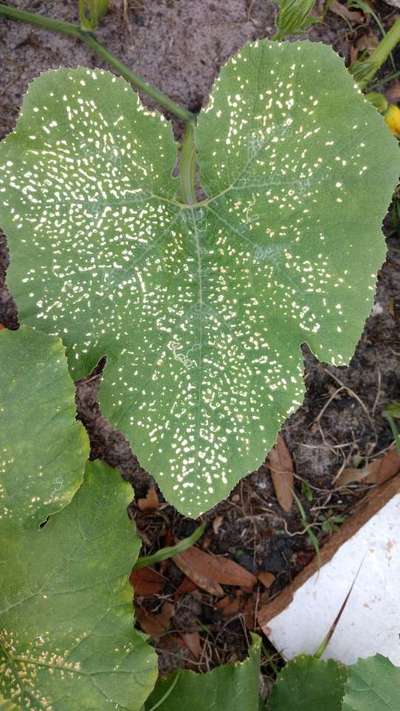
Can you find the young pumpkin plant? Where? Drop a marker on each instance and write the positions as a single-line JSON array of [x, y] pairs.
[[200, 298]]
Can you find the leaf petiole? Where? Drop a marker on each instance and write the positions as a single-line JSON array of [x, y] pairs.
[[187, 166], [364, 70]]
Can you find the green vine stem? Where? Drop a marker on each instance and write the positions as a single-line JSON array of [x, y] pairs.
[[364, 70], [171, 551], [68, 28], [187, 166]]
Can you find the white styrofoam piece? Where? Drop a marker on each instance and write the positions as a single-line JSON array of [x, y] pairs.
[[370, 622]]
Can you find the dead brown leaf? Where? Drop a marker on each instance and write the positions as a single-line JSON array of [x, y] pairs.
[[146, 582], [383, 468], [250, 612], [193, 643], [185, 564], [186, 586], [230, 606], [350, 475], [280, 464], [377, 471], [266, 578], [208, 571], [216, 524], [367, 42], [155, 625], [363, 46], [353, 16], [150, 502]]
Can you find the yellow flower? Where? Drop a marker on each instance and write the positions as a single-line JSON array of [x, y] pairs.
[[392, 118]]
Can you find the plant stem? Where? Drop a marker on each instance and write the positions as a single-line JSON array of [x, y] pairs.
[[187, 166], [387, 44], [68, 28], [47, 23], [365, 70], [170, 551]]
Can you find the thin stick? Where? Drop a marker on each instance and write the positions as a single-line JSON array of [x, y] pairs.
[[68, 28]]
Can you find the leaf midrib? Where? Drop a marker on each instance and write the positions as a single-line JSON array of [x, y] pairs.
[[200, 302]]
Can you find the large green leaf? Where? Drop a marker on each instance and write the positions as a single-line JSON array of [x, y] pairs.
[[309, 684], [67, 641], [232, 687], [200, 310], [43, 449], [372, 685], [66, 621]]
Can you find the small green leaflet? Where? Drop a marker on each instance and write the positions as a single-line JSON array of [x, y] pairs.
[[372, 685], [43, 450], [67, 641], [231, 687], [309, 684], [200, 310]]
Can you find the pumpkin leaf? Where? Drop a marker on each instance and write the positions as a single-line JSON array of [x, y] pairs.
[[372, 684], [231, 687], [66, 548], [43, 449], [67, 640], [200, 309], [309, 683]]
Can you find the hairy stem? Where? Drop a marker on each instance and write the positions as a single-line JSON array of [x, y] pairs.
[[387, 44], [68, 28], [187, 166], [365, 70]]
